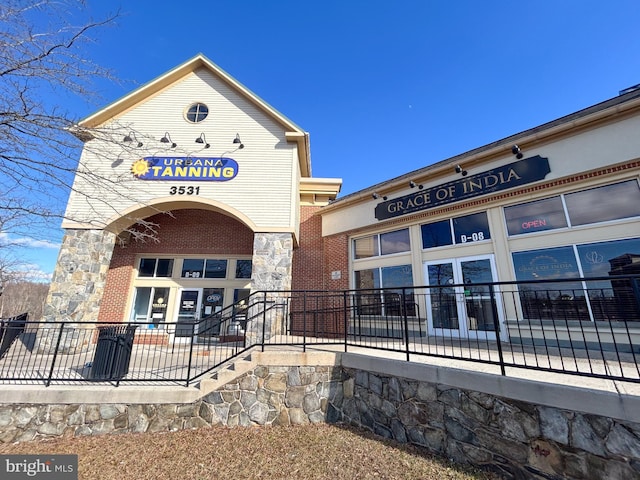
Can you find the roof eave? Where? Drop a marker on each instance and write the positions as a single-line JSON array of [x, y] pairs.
[[580, 119], [292, 131]]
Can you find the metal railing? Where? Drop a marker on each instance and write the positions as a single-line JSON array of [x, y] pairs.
[[585, 326]]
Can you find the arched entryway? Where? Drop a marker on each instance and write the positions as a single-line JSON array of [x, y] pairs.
[[200, 261]]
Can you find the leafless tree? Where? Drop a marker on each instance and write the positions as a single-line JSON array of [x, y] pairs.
[[20, 290], [20, 296], [43, 63]]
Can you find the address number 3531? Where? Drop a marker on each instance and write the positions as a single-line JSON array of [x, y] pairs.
[[182, 190]]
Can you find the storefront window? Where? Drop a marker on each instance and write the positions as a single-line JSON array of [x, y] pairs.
[[550, 301], [215, 269], [389, 300], [459, 230], [155, 267], [368, 303], [395, 242], [608, 300], [612, 299], [201, 268], [192, 267], [243, 268], [368, 278], [437, 234], [471, 228], [611, 202], [546, 214], [150, 305], [383, 244], [601, 204]]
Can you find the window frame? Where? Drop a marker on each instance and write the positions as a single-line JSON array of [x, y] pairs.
[[452, 228], [567, 215], [377, 239], [197, 113], [157, 260]]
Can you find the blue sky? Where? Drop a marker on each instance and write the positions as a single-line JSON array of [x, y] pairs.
[[383, 87]]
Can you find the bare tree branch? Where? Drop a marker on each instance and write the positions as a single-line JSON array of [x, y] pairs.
[[43, 62]]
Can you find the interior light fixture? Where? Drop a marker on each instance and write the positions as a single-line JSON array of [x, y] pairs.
[[131, 137], [167, 139], [203, 139], [516, 151]]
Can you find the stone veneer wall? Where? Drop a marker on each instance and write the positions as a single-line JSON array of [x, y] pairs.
[[271, 271], [78, 280], [514, 438], [272, 260]]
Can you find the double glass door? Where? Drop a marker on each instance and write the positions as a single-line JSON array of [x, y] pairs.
[[195, 304], [461, 303]]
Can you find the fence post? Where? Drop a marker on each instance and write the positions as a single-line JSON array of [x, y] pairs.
[[55, 355], [346, 319], [304, 321], [264, 318], [405, 318], [496, 326], [193, 336]]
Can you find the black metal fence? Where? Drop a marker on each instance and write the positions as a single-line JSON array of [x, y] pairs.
[[584, 326]]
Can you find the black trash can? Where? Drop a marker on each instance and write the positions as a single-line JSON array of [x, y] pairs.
[[113, 352]]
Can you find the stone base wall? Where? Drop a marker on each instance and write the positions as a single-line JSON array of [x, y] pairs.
[[272, 395], [513, 438], [78, 280]]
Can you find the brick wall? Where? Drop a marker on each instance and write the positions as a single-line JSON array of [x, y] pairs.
[[336, 253], [185, 232], [308, 257]]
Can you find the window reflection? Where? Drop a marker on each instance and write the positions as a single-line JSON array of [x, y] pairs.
[[603, 300], [611, 202], [612, 299], [467, 229], [382, 244], [389, 300], [437, 234], [550, 301], [395, 242]]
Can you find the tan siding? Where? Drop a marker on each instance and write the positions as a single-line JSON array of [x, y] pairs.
[[592, 149], [262, 188]]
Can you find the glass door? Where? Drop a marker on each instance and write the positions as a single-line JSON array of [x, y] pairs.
[[212, 302], [462, 306], [188, 311]]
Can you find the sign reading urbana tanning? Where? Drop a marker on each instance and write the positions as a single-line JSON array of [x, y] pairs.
[[514, 174], [185, 168]]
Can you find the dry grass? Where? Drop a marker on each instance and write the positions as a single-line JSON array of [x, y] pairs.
[[292, 453]]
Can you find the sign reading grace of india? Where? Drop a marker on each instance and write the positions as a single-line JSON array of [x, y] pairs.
[[514, 174], [185, 168]]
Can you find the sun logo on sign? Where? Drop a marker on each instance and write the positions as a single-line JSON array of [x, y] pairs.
[[140, 167]]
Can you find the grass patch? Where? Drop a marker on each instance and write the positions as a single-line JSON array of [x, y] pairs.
[[316, 451]]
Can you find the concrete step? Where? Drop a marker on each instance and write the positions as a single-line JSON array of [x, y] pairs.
[[227, 373]]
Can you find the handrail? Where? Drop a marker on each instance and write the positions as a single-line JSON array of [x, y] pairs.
[[581, 326]]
